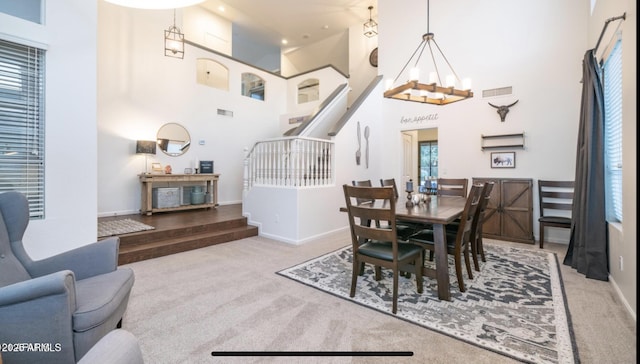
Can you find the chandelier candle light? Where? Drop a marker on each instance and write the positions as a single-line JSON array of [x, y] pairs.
[[435, 91]]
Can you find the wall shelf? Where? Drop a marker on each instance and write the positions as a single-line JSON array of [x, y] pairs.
[[502, 141]]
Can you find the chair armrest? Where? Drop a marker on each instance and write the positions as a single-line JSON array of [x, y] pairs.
[[59, 283], [117, 347], [85, 261], [39, 310]]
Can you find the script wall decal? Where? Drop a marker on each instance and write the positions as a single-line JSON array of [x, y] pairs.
[[418, 119]]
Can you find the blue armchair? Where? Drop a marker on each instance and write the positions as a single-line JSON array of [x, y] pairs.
[[56, 309]]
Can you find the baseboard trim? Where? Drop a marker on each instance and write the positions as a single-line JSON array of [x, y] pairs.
[[622, 298]]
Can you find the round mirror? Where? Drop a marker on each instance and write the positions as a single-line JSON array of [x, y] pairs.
[[173, 139]]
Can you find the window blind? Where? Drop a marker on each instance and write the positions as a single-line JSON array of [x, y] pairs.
[[22, 123], [612, 84]]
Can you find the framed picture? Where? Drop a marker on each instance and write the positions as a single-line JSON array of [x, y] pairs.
[[156, 168], [503, 160], [206, 166]]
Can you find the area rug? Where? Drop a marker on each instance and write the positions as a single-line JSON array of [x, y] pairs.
[[119, 227], [514, 306]]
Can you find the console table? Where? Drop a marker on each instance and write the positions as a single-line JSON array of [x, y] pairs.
[[147, 180]]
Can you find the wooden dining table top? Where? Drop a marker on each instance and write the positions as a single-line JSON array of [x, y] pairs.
[[438, 210]]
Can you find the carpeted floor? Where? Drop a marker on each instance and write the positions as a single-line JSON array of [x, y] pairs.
[[515, 305], [228, 297], [119, 227]]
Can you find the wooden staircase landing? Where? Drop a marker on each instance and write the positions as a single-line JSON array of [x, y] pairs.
[[179, 231]]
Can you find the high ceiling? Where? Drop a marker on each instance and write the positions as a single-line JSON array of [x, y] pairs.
[[300, 22]]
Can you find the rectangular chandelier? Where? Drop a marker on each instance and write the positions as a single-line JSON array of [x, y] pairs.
[[434, 91]]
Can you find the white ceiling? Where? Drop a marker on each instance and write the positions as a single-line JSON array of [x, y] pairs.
[[300, 22]]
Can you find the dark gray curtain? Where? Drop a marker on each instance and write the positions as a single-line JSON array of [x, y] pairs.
[[588, 245]]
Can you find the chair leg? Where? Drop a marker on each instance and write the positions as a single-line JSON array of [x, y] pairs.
[[541, 236], [474, 253], [419, 279], [467, 261], [354, 276], [481, 248], [378, 271], [394, 309], [458, 265]]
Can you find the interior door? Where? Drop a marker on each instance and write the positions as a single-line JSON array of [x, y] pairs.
[[407, 160]]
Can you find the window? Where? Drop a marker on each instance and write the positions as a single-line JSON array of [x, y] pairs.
[[22, 123], [252, 86], [308, 90], [612, 85], [428, 151]]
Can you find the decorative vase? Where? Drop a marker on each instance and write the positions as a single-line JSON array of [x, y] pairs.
[[197, 195]]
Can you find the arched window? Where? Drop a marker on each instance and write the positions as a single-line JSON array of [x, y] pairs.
[[252, 86], [308, 90], [212, 74]]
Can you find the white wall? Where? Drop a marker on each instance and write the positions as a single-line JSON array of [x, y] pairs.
[[70, 123], [329, 51], [495, 49], [623, 237], [361, 72]]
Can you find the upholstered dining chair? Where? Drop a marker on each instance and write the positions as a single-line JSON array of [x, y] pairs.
[[379, 246], [458, 243], [452, 187], [556, 204], [72, 299]]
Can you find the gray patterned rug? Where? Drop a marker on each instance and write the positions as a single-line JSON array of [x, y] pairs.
[[119, 227], [514, 306]]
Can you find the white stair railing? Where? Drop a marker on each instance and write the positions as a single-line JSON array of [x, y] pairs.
[[290, 162]]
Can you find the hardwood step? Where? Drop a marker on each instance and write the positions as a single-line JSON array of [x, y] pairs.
[[179, 231], [171, 245], [152, 236]]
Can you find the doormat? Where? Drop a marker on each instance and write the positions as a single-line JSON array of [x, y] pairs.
[[514, 306], [119, 227]]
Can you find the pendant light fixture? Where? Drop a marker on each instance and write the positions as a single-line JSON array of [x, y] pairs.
[[174, 40], [370, 27], [434, 91]]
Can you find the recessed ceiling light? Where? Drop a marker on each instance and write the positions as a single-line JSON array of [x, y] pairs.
[[325, 27], [155, 4], [284, 41], [221, 8]]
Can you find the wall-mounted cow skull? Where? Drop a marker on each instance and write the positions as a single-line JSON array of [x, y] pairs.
[[503, 109]]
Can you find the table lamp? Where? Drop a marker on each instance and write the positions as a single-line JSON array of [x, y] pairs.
[[146, 147]]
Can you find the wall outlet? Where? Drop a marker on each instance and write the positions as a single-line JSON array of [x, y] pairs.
[[620, 261]]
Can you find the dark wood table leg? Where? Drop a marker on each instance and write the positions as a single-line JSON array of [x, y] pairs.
[[442, 262]]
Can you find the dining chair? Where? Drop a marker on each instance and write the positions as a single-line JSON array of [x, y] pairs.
[[362, 183], [404, 228], [458, 243], [452, 187], [556, 203], [378, 246], [477, 247]]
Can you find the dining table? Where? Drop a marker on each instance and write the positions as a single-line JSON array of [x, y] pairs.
[[436, 212]]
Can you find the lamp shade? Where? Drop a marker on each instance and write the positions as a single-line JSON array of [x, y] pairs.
[[145, 147]]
